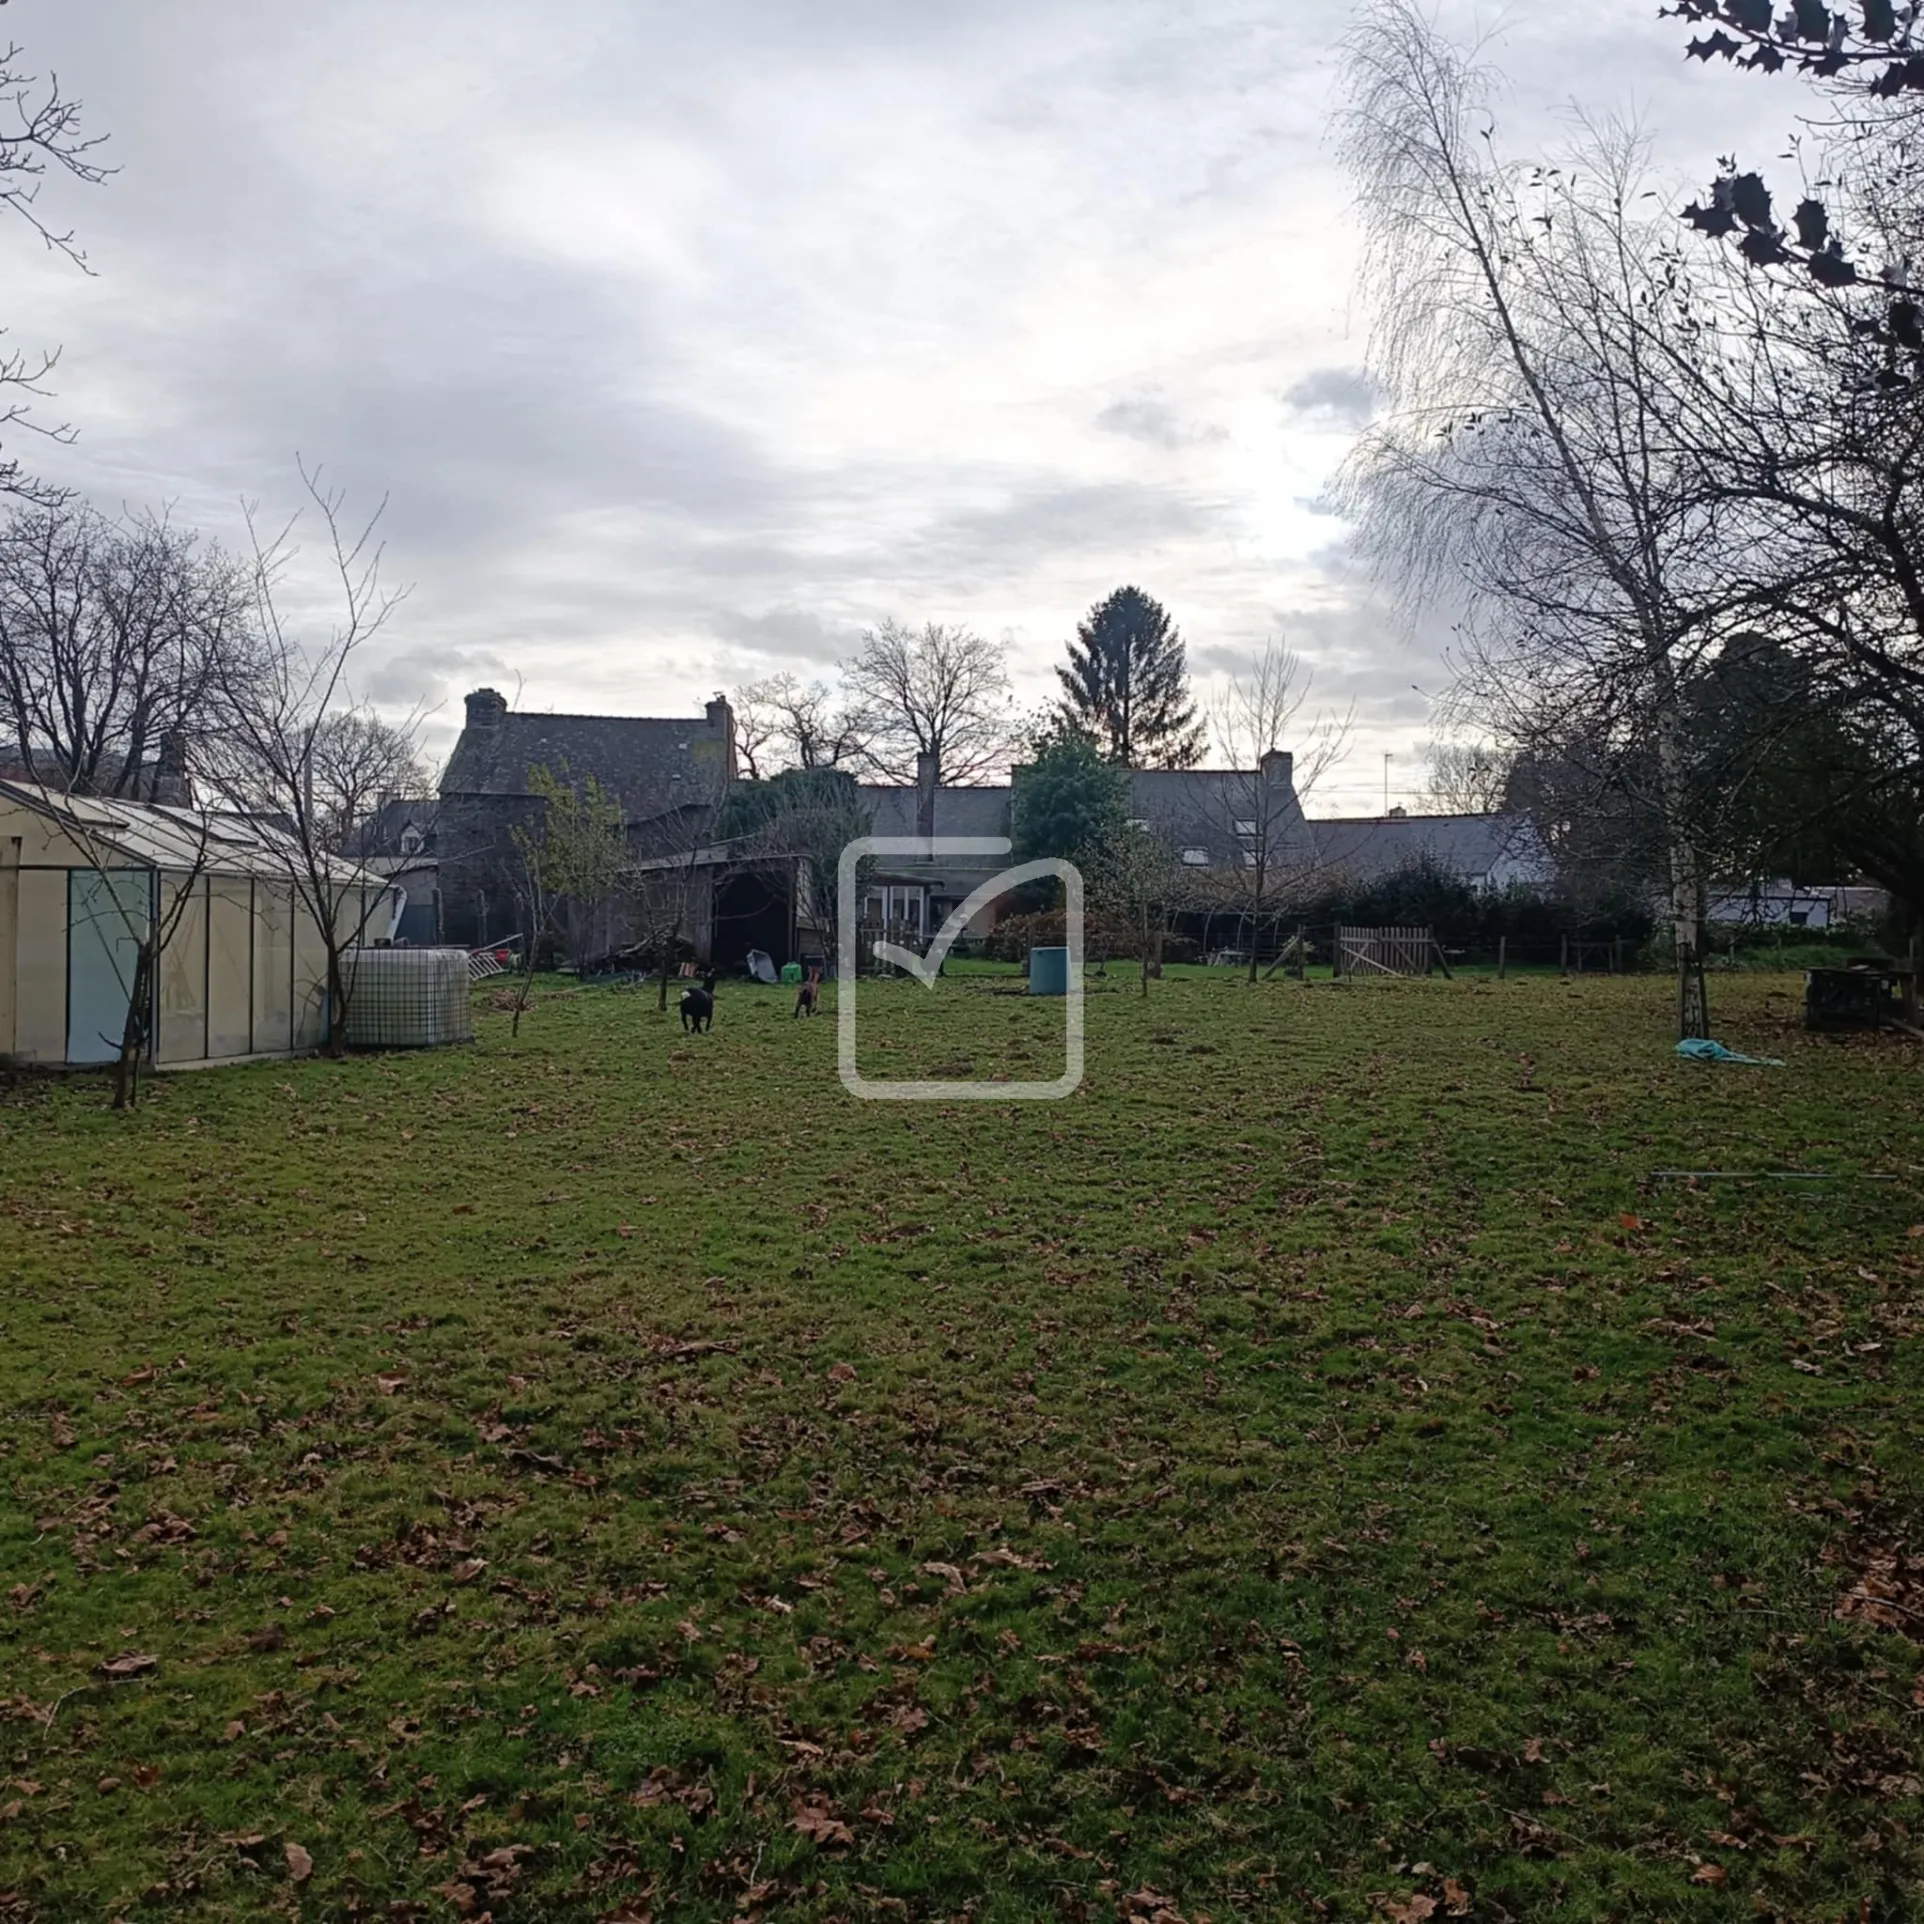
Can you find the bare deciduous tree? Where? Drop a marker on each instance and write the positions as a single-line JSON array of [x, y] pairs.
[[1468, 778], [132, 911], [573, 855], [359, 762], [783, 722], [114, 636], [1133, 874], [1259, 799], [278, 717], [39, 130], [936, 690]]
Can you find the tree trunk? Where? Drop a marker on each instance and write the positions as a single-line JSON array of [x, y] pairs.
[[667, 955], [1686, 872], [133, 1035], [336, 1005]]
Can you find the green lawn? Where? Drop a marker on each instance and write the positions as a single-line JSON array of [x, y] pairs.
[[1313, 1473]]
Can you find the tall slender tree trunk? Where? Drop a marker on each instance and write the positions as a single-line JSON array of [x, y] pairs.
[[1685, 861], [133, 1036], [336, 1004]]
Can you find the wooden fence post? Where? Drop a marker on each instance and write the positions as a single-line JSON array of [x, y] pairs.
[[1502, 957], [1563, 961]]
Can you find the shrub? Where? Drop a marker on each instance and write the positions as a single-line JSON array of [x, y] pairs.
[[1104, 936]]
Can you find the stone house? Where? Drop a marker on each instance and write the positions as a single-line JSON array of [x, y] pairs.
[[669, 773]]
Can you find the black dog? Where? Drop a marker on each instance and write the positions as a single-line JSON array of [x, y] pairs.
[[698, 1005]]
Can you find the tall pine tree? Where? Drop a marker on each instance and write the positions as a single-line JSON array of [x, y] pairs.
[[1127, 683]]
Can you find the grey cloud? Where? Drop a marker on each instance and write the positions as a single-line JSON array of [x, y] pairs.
[[1343, 396], [343, 233], [789, 635], [1079, 524], [425, 675], [1147, 417]]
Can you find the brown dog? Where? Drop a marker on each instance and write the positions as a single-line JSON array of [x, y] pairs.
[[809, 995]]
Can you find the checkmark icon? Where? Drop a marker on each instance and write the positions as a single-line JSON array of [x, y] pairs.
[[968, 852], [926, 968]]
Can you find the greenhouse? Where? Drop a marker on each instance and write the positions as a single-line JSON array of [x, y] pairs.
[[242, 969]]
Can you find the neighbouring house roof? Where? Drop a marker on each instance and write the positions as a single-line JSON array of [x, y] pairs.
[[1201, 807], [655, 764], [174, 840], [975, 812], [1498, 848], [111, 773], [384, 832]]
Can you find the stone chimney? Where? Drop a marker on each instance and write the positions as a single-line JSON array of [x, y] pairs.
[[927, 768], [1279, 765], [721, 720], [486, 708], [171, 786]]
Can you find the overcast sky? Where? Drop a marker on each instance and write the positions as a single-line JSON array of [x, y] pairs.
[[688, 340]]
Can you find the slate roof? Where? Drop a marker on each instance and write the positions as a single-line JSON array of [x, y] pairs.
[[1200, 807], [977, 812], [654, 763], [1498, 848], [110, 771], [382, 832]]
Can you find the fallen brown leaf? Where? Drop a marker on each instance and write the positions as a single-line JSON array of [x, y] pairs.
[[1412, 1910], [817, 1822], [300, 1866], [131, 1665]]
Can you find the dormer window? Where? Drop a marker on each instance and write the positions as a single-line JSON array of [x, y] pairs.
[[410, 841], [1195, 858]]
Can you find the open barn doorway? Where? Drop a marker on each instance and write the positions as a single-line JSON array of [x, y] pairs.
[[753, 910]]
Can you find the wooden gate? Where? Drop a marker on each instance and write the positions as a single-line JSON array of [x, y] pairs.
[[1384, 951]]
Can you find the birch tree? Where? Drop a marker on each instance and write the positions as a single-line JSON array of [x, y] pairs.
[[1527, 324]]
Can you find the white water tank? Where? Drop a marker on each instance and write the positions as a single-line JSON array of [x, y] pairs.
[[408, 998]]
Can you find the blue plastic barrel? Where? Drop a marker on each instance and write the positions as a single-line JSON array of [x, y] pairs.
[[1048, 971]]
